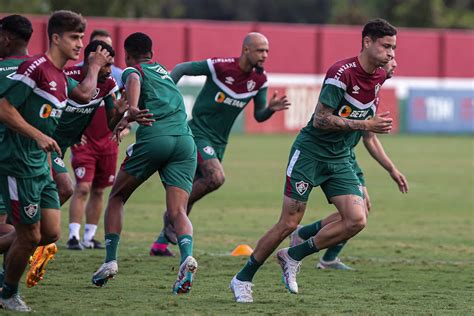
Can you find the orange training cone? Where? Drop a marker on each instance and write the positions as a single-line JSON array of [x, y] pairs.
[[242, 250]]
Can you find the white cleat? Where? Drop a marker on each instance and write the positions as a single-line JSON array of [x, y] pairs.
[[290, 268], [295, 239], [106, 272], [186, 272], [336, 264], [242, 290], [14, 303]]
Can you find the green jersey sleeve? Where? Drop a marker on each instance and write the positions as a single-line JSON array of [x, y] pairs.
[[109, 102], [128, 71], [260, 99], [331, 95], [19, 92], [192, 68], [71, 84]]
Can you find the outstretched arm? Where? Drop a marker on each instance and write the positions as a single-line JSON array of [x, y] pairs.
[[262, 112], [10, 116], [189, 69], [325, 119], [375, 148]]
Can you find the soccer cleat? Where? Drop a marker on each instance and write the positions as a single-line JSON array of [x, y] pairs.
[[74, 244], [242, 290], [160, 250], [295, 239], [336, 264], [107, 271], [38, 262], [290, 268], [169, 231], [14, 303], [92, 244], [184, 282]]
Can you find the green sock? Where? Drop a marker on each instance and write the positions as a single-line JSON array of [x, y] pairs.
[[111, 246], [249, 270], [310, 230], [332, 252], [162, 238], [9, 290], [185, 243], [302, 250]]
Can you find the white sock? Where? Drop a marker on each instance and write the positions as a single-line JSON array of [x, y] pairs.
[[74, 229], [89, 232]]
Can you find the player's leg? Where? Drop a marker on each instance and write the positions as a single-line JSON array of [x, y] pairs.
[[84, 164], [62, 178], [104, 177]]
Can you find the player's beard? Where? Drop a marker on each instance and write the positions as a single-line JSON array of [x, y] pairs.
[[259, 69]]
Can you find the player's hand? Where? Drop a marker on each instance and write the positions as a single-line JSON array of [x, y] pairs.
[[400, 179], [367, 201], [82, 142], [121, 105], [121, 126], [100, 57], [47, 144], [278, 104], [142, 117], [381, 124]]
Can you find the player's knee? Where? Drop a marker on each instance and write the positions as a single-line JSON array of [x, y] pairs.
[[50, 237], [65, 192], [215, 181], [287, 227], [30, 239], [356, 224], [82, 189]]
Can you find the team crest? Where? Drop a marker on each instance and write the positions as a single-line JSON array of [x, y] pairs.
[[377, 89], [59, 162], [80, 172], [31, 210], [301, 187], [209, 150], [250, 85]]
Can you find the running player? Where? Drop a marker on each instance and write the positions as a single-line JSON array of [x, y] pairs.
[[30, 111], [330, 259], [231, 84], [320, 156], [165, 144]]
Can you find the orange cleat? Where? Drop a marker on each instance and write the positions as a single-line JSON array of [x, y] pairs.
[[38, 262]]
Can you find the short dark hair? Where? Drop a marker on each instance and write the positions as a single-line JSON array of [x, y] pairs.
[[92, 47], [378, 28], [65, 21], [99, 32], [18, 26], [138, 44]]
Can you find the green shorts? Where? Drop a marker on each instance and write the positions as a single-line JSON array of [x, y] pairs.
[[304, 172], [25, 197], [358, 171], [174, 157], [57, 163], [207, 150]]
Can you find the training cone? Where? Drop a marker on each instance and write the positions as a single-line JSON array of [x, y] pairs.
[[242, 250]]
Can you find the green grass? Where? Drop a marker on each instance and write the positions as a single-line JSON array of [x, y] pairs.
[[416, 255]]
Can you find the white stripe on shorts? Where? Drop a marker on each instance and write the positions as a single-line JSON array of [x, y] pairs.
[[13, 189], [292, 163]]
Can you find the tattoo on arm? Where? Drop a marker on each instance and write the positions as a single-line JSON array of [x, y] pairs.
[[325, 119]]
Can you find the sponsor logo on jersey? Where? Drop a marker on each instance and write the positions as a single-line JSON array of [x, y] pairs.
[[209, 150], [84, 110], [53, 85], [347, 111], [80, 172], [339, 72], [222, 60], [162, 71], [31, 210], [59, 162], [34, 65], [221, 98], [251, 85], [301, 187], [47, 110], [355, 89], [229, 80]]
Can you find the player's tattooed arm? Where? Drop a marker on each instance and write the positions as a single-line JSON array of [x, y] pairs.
[[325, 119]]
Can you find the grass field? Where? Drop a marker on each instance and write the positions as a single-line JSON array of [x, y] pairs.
[[415, 257]]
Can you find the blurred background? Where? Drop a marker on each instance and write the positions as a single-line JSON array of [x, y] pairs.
[[432, 90]]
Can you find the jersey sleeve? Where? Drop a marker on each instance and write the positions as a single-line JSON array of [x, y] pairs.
[[128, 71], [200, 68], [109, 102], [333, 89], [71, 84], [22, 86], [260, 100]]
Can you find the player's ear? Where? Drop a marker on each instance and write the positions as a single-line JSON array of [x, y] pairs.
[[55, 38], [151, 55]]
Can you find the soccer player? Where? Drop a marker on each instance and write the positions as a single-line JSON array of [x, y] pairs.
[[320, 156], [103, 35], [231, 84], [30, 112], [330, 259], [164, 144], [73, 124]]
